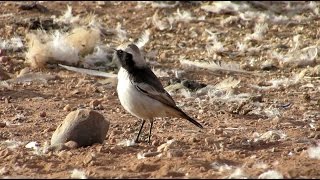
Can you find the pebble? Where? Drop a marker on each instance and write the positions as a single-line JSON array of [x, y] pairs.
[[43, 114], [94, 103], [6, 100], [88, 159], [24, 71], [209, 141], [57, 147], [2, 52], [4, 59], [167, 171], [71, 144], [67, 108], [192, 85], [193, 139], [166, 146], [269, 66], [50, 129], [217, 131], [151, 154], [276, 120], [299, 149], [169, 138], [140, 167], [2, 125], [85, 127], [312, 135], [155, 143], [174, 153], [163, 55]]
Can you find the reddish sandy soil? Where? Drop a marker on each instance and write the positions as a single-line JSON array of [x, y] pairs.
[[32, 111]]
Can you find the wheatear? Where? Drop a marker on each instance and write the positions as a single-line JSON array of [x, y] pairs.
[[140, 91]]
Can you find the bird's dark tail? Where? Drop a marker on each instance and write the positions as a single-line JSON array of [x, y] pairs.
[[185, 116]]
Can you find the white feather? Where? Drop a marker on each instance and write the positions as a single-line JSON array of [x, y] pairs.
[[158, 23], [144, 39], [271, 174], [78, 174], [314, 152], [67, 17], [122, 34], [89, 71], [61, 50], [214, 65]]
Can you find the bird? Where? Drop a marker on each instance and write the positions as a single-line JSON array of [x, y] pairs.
[[140, 91]]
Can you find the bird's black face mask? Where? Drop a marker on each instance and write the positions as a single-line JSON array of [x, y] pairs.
[[126, 60]]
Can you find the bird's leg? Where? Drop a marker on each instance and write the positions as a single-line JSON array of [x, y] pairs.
[[151, 124], [137, 138]]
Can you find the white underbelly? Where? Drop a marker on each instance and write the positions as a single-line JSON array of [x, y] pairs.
[[138, 104]]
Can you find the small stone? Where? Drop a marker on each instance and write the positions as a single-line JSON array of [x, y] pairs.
[[57, 147], [257, 98], [174, 153], [209, 141], [87, 159], [74, 92], [155, 143], [167, 171], [166, 146], [163, 56], [169, 138], [193, 139], [4, 171], [299, 149], [62, 154], [312, 135], [50, 129], [94, 103], [150, 154], [5, 153], [2, 125], [71, 144], [6, 100], [140, 167], [2, 52], [99, 148], [306, 97], [268, 66], [192, 85], [217, 131], [24, 71], [115, 132], [276, 120], [85, 127], [43, 114], [202, 169], [112, 140], [4, 59], [67, 108]]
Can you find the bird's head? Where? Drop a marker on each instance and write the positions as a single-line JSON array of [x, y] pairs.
[[130, 57]]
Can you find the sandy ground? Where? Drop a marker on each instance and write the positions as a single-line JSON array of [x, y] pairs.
[[271, 131]]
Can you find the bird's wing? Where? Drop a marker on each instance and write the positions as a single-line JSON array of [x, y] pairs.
[[147, 83]]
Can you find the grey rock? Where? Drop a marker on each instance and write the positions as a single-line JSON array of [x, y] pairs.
[[85, 127]]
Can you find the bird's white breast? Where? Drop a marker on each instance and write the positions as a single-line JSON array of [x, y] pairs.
[[135, 102]]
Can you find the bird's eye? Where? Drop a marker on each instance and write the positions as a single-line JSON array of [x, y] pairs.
[[120, 51]]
